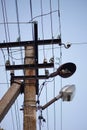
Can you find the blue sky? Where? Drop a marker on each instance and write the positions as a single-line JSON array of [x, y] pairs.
[[71, 115]]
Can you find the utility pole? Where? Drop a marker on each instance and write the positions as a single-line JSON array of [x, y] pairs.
[[9, 98], [31, 76], [29, 92], [31, 85]]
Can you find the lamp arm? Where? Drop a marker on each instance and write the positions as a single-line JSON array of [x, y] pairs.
[[52, 75], [51, 101]]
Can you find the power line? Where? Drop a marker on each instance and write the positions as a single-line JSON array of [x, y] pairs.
[[42, 85], [4, 19], [47, 112], [60, 61], [32, 18], [16, 58], [3, 12], [51, 19], [17, 116], [5, 83], [19, 33], [41, 5], [59, 18], [79, 43], [47, 48]]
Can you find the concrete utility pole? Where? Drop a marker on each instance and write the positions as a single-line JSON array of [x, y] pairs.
[[29, 92], [31, 85], [9, 98], [31, 76]]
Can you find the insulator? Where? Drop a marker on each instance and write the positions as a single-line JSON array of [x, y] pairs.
[[12, 72], [68, 45], [51, 60], [46, 72], [7, 63], [44, 120], [45, 60]]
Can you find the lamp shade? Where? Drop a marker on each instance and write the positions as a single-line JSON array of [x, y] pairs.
[[66, 70], [67, 92]]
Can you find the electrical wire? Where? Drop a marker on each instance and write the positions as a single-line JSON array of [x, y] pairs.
[[47, 110], [41, 5], [5, 83], [28, 22], [8, 33], [49, 48], [17, 116], [51, 21], [41, 9], [79, 43], [42, 85], [15, 58], [4, 19], [44, 14], [53, 56], [60, 61], [19, 33], [17, 126], [59, 18], [16, 111], [31, 18], [3, 12], [44, 54], [42, 28]]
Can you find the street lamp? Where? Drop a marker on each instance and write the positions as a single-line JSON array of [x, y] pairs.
[[66, 94], [65, 70]]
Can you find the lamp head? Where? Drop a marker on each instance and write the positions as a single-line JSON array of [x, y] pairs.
[[67, 92], [66, 70]]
